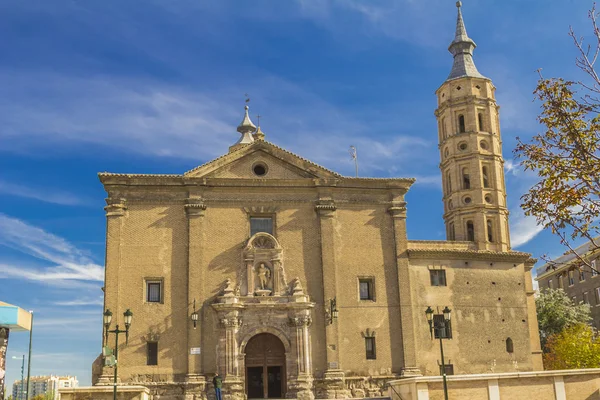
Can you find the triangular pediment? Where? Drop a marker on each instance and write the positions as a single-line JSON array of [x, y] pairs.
[[277, 162]]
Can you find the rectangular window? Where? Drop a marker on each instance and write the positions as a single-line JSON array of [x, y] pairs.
[[549, 283], [559, 280], [261, 224], [154, 291], [437, 277], [594, 270], [581, 274], [586, 297], [597, 292], [370, 348], [571, 278], [441, 328], [366, 289], [151, 353]]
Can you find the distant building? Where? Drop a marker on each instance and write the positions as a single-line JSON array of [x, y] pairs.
[[48, 384], [582, 284]]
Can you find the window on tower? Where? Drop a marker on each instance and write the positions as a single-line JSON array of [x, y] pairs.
[[466, 178], [485, 175], [448, 182], [470, 231], [461, 124], [490, 235], [452, 233], [480, 121]]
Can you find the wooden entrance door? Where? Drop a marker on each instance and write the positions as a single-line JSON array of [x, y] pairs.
[[265, 367]]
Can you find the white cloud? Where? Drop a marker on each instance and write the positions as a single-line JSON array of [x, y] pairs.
[[43, 194], [69, 264], [522, 228]]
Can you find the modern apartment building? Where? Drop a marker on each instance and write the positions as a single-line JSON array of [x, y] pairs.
[[43, 385]]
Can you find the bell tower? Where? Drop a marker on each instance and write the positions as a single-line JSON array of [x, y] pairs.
[[471, 151]]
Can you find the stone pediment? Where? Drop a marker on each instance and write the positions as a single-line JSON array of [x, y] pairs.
[[277, 162]]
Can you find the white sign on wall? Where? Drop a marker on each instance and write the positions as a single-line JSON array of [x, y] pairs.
[[195, 350]]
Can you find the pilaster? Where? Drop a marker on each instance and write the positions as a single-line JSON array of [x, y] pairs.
[[233, 382], [326, 210], [116, 212], [195, 210], [301, 387], [409, 345]]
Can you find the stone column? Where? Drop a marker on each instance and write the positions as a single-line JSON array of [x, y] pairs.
[[301, 387], [233, 383], [116, 210], [409, 343], [334, 375], [195, 210]]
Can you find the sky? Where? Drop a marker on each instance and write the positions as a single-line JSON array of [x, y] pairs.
[[158, 86]]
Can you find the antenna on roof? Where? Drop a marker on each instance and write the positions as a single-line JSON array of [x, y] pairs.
[[354, 156]]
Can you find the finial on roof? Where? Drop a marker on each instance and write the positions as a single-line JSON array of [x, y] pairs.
[[258, 134], [246, 128], [462, 49]]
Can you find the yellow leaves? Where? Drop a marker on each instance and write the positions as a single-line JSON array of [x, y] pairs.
[[575, 347]]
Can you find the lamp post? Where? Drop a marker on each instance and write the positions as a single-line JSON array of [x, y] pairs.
[[29, 357], [22, 375], [441, 328], [127, 316]]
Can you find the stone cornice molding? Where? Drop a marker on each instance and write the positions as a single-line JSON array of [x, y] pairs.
[[480, 255]]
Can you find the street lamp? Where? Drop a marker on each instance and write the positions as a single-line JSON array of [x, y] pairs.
[[332, 313], [194, 315], [22, 392], [441, 328], [127, 317]]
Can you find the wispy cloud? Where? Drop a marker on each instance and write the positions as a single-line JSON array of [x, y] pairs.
[[85, 301], [523, 228], [43, 194], [68, 263]]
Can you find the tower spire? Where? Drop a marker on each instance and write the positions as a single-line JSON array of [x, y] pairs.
[[462, 49]]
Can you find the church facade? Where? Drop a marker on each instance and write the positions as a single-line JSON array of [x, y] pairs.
[[304, 282]]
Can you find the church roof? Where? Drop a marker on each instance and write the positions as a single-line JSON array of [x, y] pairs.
[[462, 49]]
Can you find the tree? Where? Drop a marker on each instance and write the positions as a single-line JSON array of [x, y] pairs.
[[557, 312], [576, 347], [566, 156]]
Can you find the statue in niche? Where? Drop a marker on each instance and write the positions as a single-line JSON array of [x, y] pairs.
[[264, 276]]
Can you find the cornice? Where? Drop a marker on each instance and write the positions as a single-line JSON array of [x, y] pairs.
[[460, 254]]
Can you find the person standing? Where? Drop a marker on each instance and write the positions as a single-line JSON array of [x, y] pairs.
[[218, 383]]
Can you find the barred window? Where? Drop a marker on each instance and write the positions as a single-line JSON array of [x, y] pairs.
[[442, 328], [366, 289]]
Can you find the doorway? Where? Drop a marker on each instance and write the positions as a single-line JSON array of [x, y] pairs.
[[265, 367]]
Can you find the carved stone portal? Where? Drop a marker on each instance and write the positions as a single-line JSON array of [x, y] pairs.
[[261, 302]]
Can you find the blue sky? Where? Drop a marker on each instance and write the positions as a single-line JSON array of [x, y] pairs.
[[158, 87]]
